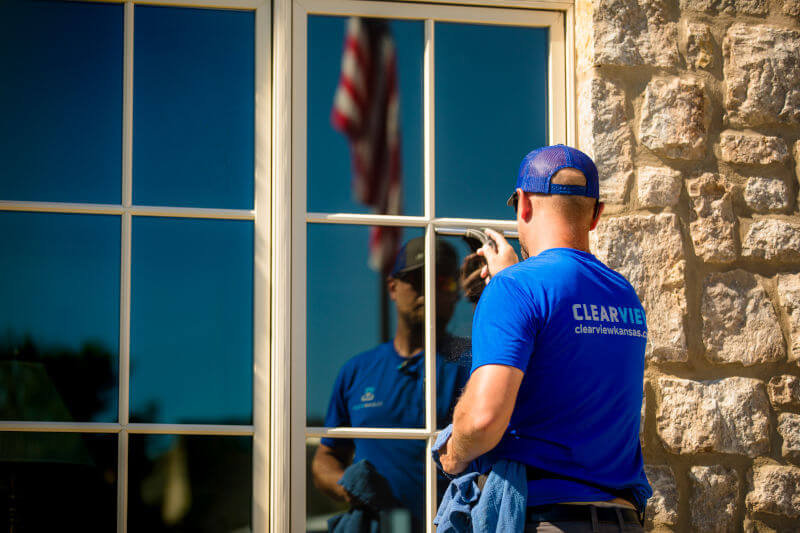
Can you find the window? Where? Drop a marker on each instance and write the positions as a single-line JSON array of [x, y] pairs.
[[134, 221], [477, 89]]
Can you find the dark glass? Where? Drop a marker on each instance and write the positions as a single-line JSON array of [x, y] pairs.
[[61, 101], [58, 482], [59, 316], [192, 321], [398, 479], [193, 107], [330, 174], [349, 308], [491, 110], [189, 483]]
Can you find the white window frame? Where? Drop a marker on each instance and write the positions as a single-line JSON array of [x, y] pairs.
[[288, 398], [259, 215]]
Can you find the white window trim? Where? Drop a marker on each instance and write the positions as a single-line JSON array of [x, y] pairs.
[[288, 399], [262, 267]]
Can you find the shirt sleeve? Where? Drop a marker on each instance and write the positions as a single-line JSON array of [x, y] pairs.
[[338, 414], [504, 326]]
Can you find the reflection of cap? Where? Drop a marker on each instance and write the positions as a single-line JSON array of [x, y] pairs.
[[538, 168], [412, 256]]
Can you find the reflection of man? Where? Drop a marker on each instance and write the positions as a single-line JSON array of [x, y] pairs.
[[384, 386], [558, 358]]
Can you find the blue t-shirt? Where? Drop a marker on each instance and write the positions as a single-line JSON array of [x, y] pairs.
[[380, 388], [577, 330]]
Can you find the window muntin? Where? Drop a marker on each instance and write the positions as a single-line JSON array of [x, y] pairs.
[[60, 137]]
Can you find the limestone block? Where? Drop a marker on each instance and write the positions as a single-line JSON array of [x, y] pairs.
[[789, 430], [751, 149], [634, 32], [662, 507], [658, 186], [713, 230], [648, 251], [757, 526], [730, 7], [775, 490], [699, 46], [772, 239], [762, 74], [729, 415], [766, 194], [791, 8], [739, 323], [675, 118], [797, 158], [784, 391], [715, 490], [789, 300], [606, 136]]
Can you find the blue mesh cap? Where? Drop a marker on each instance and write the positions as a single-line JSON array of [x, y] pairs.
[[538, 168]]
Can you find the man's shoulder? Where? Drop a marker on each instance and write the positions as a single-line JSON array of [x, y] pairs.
[[367, 358]]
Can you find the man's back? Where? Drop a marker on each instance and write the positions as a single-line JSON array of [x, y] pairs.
[[577, 330]]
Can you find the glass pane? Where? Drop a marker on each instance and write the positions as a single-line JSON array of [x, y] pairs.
[[192, 321], [332, 184], [60, 101], [193, 106], [491, 110], [396, 474], [59, 316], [189, 483], [58, 482]]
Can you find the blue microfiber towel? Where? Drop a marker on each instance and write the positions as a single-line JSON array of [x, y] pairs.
[[372, 494], [499, 507]]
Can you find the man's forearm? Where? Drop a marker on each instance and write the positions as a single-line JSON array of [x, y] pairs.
[[327, 469]]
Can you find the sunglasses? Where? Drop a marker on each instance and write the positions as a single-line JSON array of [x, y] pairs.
[[416, 279]]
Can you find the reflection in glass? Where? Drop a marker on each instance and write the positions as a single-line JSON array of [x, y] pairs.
[[59, 316], [61, 101], [193, 105], [491, 110], [191, 321], [58, 482], [189, 483], [387, 489], [330, 165]]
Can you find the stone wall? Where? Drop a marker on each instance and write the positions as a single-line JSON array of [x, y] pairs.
[[691, 109]]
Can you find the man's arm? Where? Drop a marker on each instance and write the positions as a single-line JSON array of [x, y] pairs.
[[327, 469], [481, 415]]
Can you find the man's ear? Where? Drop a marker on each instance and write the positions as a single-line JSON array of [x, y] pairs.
[[596, 219], [524, 206], [391, 287]]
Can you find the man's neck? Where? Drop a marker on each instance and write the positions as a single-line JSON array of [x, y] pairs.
[[542, 240], [408, 340]]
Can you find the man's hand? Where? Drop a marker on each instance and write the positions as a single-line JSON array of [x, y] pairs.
[[505, 256], [449, 463], [469, 277]]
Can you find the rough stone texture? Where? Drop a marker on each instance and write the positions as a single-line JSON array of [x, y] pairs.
[[775, 490], [731, 7], [772, 240], [606, 136], [730, 415], [756, 526], [662, 507], [791, 8], [715, 490], [675, 118], [762, 74], [750, 149], [648, 251], [699, 46], [633, 32], [789, 300], [797, 158], [713, 231], [658, 186], [766, 194], [739, 323], [784, 391], [789, 430]]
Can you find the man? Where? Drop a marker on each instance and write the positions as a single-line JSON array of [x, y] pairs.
[[558, 359], [384, 386]]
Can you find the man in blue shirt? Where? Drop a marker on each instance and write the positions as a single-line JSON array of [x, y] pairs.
[[385, 386], [558, 358]]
